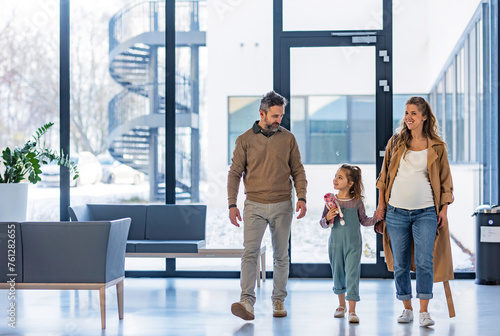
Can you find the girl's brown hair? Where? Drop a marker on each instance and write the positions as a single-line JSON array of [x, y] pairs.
[[430, 127], [354, 175]]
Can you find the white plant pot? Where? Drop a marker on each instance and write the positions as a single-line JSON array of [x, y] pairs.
[[13, 202]]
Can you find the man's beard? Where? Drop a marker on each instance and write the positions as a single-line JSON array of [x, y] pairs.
[[272, 127]]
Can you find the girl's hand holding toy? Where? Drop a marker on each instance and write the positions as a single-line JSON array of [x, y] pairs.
[[332, 205]]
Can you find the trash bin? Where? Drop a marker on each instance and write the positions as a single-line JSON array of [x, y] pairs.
[[487, 245]]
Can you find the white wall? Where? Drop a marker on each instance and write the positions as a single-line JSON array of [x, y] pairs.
[[410, 63], [424, 35], [447, 21]]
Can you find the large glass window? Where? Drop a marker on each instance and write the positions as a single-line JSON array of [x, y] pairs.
[[460, 93], [111, 88], [328, 136], [457, 100], [29, 87], [450, 120], [118, 101], [242, 114]]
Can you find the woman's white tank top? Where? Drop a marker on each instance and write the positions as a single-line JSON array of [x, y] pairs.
[[411, 188]]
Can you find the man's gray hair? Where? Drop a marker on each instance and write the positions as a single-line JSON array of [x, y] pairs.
[[271, 99]]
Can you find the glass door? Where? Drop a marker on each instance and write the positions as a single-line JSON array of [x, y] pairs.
[[332, 114], [339, 83]]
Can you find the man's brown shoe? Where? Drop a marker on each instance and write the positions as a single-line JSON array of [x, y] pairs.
[[279, 308], [243, 309]]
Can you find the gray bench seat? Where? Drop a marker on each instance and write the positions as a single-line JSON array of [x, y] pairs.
[[155, 228], [164, 246]]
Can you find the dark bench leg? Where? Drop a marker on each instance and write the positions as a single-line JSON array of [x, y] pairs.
[[170, 266]]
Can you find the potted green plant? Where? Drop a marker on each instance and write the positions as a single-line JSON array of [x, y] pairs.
[[23, 164]]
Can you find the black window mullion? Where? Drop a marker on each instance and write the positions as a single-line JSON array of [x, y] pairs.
[[64, 105]]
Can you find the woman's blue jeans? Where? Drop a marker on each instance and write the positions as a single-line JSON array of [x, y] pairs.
[[420, 226]]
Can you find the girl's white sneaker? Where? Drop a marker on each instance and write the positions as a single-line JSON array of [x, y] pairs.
[[339, 312], [353, 318]]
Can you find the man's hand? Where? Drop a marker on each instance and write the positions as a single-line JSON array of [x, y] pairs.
[[234, 216], [301, 205]]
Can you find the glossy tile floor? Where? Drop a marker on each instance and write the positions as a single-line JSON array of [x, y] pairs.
[[202, 307]]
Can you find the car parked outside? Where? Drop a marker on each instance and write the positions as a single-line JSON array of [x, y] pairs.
[[119, 173], [89, 168]]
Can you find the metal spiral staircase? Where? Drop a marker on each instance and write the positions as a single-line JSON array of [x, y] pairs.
[[137, 114]]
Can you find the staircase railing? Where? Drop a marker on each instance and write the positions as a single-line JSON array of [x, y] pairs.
[[135, 34], [132, 102], [135, 19]]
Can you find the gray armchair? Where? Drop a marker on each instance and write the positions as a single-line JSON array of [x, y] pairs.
[[74, 255]]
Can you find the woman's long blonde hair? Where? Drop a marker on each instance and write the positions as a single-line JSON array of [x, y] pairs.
[[430, 127]]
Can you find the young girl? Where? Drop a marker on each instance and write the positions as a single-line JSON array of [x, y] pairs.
[[344, 246]]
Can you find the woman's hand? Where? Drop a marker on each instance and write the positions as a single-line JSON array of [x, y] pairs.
[[380, 212], [331, 214], [443, 216]]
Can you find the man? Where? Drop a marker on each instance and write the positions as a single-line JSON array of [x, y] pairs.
[[266, 155]]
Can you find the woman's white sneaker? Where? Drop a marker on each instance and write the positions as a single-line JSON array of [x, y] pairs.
[[406, 316], [426, 320]]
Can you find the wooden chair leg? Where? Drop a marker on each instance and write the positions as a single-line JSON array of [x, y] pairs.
[[258, 273], [449, 299], [263, 262], [119, 295], [102, 300]]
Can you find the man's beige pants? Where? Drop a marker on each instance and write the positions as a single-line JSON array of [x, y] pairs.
[[256, 217]]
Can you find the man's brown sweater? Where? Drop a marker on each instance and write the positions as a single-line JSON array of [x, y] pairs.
[[268, 163]]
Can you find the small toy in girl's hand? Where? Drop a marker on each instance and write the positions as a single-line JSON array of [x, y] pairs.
[[332, 204], [330, 201]]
